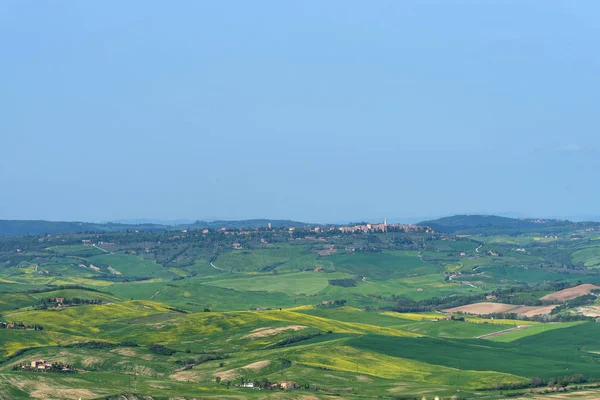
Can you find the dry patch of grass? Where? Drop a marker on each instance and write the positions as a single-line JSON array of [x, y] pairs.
[[264, 332], [232, 374], [489, 308], [90, 361], [257, 365], [530, 311], [124, 352], [571, 293], [114, 271], [582, 395], [589, 311], [186, 376], [44, 391], [39, 389]]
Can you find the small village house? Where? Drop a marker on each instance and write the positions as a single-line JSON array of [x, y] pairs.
[[288, 385], [40, 364]]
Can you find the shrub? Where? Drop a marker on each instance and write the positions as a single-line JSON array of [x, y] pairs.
[[160, 349]]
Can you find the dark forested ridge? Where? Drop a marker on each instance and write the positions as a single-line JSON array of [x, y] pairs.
[[41, 227], [492, 224]]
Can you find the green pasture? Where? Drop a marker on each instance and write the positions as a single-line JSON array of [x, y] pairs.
[[383, 265], [533, 330], [589, 256], [276, 257], [528, 357], [452, 329], [294, 283], [128, 265], [78, 250]]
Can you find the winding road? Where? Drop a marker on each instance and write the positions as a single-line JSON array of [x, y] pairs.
[[215, 267], [100, 248]]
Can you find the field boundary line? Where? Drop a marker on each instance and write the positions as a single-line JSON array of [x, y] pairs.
[[517, 328]]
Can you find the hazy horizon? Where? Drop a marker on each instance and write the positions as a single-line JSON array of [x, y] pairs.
[[312, 111], [393, 219]]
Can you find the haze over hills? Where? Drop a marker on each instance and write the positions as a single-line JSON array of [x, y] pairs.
[[457, 224], [41, 227]]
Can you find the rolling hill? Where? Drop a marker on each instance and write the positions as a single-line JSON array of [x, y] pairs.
[[492, 224]]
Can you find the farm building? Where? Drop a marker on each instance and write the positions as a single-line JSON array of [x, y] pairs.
[[288, 385], [40, 364]]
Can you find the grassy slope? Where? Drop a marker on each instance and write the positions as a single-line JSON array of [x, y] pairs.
[[535, 359], [294, 283], [128, 265]]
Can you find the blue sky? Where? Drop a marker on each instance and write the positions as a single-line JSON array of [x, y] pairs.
[[310, 110]]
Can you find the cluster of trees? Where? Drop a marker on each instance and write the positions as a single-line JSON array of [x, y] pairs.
[[95, 344], [404, 304], [335, 303], [121, 278], [51, 288], [179, 310], [202, 358], [52, 302], [538, 318], [509, 296], [347, 282], [560, 381], [295, 339], [160, 349]]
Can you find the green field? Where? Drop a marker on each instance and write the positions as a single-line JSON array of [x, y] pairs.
[[127, 265], [590, 257], [295, 283], [384, 265]]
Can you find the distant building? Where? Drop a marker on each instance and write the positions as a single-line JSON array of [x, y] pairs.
[[288, 385], [383, 227], [40, 364], [248, 384]]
